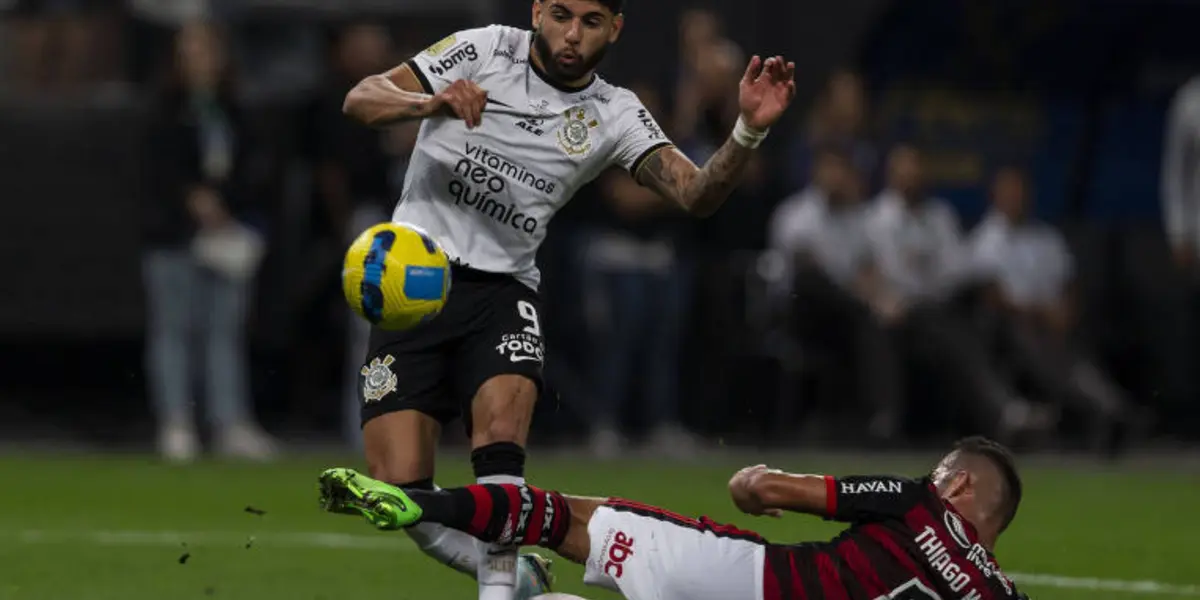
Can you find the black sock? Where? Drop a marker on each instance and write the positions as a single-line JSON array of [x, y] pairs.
[[501, 458]]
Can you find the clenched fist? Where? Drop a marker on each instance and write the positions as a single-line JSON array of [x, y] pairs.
[[462, 99], [745, 496]]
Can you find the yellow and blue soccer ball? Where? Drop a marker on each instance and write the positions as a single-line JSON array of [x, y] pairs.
[[396, 276]]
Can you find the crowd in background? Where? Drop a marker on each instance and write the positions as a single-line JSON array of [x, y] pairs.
[[897, 308]]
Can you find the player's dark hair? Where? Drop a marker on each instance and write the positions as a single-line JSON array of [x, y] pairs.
[[836, 150], [1003, 459], [1008, 166], [616, 6]]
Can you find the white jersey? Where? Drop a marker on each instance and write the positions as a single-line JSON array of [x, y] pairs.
[[487, 194]]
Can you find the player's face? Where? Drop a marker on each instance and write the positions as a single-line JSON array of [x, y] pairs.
[[1010, 195], [200, 56], [573, 36], [833, 175], [905, 175]]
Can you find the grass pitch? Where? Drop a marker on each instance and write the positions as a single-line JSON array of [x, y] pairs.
[[128, 528]]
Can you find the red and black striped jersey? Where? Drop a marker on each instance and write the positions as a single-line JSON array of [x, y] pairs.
[[904, 543]]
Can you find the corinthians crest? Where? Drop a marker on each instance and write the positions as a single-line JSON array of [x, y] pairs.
[[378, 379], [575, 134]]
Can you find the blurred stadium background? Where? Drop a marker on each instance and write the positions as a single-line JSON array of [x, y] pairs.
[[679, 349]]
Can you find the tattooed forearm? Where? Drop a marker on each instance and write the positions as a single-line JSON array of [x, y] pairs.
[[381, 100], [699, 190]]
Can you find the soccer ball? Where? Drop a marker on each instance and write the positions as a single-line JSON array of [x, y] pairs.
[[557, 596], [395, 276]]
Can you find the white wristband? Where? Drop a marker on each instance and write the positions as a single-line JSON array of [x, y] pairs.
[[747, 137]]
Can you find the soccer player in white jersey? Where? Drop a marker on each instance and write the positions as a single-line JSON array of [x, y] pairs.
[[514, 122]]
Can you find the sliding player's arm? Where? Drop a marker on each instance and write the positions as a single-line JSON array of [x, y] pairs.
[[435, 82], [759, 490], [765, 92]]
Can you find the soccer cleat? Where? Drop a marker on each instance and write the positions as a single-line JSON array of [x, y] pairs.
[[385, 506], [533, 576]]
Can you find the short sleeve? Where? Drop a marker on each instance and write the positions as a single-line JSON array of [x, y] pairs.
[[638, 134], [457, 56], [859, 499]]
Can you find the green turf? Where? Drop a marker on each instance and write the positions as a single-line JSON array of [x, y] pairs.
[[75, 528]]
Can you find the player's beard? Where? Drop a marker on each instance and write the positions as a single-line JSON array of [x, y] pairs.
[[565, 75]]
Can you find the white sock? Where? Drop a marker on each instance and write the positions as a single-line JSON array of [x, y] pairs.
[[497, 573], [451, 547]]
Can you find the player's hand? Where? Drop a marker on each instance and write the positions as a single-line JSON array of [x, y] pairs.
[[743, 489], [766, 90], [462, 99]]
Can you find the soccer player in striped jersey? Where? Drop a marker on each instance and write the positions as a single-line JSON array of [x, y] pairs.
[[908, 539]]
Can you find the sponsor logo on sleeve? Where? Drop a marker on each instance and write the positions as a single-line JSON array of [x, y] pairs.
[[454, 57], [871, 487], [652, 128]]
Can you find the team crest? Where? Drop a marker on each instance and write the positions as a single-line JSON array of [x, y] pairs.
[[575, 135], [378, 379], [441, 46]]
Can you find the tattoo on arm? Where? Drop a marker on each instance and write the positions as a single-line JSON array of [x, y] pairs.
[[392, 97], [699, 190]]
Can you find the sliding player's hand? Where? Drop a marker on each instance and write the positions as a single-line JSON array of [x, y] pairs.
[[462, 99], [766, 91], [743, 489]]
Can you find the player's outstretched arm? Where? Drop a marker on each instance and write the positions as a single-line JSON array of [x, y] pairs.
[[765, 92], [398, 95], [759, 490]]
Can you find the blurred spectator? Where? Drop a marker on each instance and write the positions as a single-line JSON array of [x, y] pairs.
[[154, 24], [706, 91], [1031, 298], [64, 44], [823, 231], [699, 28], [352, 171], [638, 281], [707, 99], [1169, 308], [918, 248], [838, 118], [199, 260], [1181, 177]]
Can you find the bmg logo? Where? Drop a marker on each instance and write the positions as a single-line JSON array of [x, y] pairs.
[[457, 56]]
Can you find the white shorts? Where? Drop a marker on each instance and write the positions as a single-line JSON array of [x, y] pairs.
[[648, 554]]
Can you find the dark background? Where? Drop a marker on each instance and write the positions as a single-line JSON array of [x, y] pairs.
[[1079, 89]]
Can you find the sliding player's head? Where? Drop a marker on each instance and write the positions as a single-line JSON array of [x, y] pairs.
[[572, 36], [979, 478]]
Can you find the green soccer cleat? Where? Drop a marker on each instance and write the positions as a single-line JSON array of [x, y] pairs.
[[385, 506]]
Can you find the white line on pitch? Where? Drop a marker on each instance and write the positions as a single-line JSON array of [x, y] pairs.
[[399, 542], [292, 539], [1108, 585]]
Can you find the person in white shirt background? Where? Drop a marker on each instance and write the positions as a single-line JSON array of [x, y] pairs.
[[1032, 309], [822, 231], [917, 245]]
